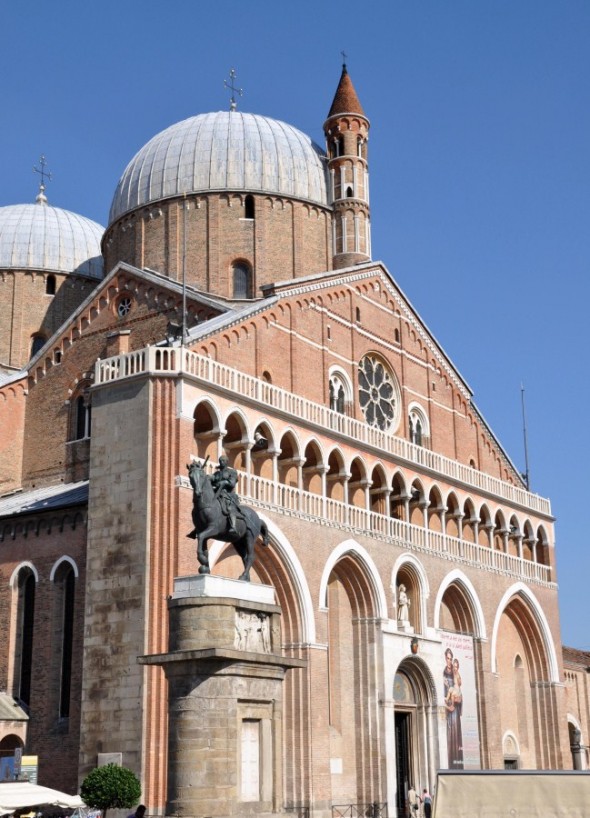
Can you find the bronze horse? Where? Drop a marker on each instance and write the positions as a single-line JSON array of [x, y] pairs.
[[210, 521]]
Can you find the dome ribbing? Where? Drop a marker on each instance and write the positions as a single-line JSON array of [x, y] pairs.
[[221, 151], [41, 237]]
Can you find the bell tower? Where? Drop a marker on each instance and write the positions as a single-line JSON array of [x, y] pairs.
[[347, 132]]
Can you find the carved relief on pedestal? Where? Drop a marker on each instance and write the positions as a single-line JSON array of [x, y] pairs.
[[252, 632]]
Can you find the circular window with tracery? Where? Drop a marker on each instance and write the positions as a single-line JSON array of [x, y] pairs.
[[124, 306], [378, 394]]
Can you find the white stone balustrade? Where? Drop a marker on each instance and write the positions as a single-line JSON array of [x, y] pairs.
[[214, 376], [264, 494]]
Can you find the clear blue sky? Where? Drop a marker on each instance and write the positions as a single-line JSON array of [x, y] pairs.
[[479, 162]]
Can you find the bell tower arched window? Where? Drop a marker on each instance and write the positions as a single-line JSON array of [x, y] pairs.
[[242, 280]]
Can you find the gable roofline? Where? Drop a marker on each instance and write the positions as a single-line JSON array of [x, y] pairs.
[[503, 451], [229, 319], [365, 270], [368, 269], [151, 276]]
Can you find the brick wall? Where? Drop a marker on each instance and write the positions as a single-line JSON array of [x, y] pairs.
[[12, 424], [286, 239], [42, 541], [27, 309]]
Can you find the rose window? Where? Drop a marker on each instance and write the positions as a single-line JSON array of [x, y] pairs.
[[377, 393]]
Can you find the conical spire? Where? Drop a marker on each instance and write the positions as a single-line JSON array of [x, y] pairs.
[[345, 99]]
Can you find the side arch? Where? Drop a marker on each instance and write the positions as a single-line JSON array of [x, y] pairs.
[[19, 568], [458, 577], [362, 556], [417, 670], [521, 591], [60, 562]]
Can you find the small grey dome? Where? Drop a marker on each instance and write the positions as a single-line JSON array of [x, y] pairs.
[[228, 150], [41, 237]]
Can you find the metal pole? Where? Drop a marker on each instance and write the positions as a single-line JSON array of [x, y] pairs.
[[526, 448], [183, 270]]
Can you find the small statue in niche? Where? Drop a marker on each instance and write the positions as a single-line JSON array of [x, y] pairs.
[[403, 605]]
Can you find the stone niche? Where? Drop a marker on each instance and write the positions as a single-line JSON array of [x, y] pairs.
[[225, 675]]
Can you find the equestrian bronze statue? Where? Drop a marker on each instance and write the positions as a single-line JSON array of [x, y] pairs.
[[217, 514]]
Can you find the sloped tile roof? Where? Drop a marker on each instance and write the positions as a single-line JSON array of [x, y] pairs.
[[574, 656], [10, 710], [44, 499]]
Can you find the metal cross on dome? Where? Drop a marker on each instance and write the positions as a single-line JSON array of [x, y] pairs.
[[45, 175], [232, 103]]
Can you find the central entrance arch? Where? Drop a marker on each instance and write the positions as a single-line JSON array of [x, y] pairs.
[[416, 742]]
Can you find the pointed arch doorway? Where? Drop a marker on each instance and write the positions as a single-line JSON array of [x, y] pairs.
[[415, 728]]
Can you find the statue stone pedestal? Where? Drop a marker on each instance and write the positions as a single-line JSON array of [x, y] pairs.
[[404, 626], [225, 674]]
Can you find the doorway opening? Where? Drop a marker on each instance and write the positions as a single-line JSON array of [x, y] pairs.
[[403, 732]]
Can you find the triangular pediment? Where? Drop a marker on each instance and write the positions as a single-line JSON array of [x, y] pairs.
[[371, 280], [331, 318], [100, 312]]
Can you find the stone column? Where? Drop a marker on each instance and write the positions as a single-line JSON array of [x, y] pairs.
[[423, 504], [323, 471], [248, 465]]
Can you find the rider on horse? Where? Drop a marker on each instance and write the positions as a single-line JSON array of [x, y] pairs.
[[224, 482]]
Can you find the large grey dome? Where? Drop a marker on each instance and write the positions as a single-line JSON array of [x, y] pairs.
[[228, 150], [41, 237]]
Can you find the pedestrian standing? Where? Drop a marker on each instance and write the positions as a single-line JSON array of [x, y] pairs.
[[427, 802]]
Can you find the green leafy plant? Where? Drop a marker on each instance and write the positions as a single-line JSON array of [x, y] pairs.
[[110, 787]]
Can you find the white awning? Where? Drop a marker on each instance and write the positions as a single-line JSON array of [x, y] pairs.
[[514, 793], [19, 795]]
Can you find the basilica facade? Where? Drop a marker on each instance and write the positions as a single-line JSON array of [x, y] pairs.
[[232, 307]]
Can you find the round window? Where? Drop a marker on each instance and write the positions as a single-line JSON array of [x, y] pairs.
[[124, 306], [377, 393]]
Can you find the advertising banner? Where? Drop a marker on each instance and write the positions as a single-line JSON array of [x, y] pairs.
[[458, 693]]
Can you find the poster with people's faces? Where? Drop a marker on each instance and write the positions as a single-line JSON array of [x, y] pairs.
[[459, 702]]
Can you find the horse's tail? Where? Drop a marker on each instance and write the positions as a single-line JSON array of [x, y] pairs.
[[264, 532]]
